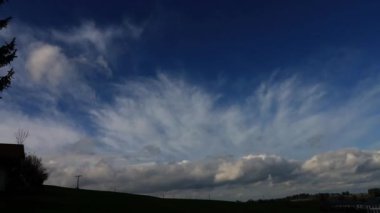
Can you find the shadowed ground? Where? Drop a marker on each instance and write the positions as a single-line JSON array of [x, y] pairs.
[[58, 199]]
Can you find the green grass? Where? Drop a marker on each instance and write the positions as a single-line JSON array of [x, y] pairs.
[[58, 199]]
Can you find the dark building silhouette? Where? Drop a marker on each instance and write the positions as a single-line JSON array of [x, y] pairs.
[[10, 157], [374, 192]]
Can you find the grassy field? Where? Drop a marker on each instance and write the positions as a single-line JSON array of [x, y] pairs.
[[58, 199]]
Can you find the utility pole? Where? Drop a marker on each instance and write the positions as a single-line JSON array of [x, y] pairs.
[[78, 176]]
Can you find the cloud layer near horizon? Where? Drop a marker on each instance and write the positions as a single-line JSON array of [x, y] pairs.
[[349, 169]]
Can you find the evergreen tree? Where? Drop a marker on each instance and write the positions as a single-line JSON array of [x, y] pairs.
[[7, 54]]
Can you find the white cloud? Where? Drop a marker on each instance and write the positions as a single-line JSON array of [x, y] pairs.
[[135, 31], [161, 112], [100, 60], [89, 34], [228, 171], [278, 118], [253, 168], [335, 165], [47, 64], [97, 44]]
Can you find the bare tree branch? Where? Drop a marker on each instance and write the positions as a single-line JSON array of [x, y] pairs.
[[21, 136]]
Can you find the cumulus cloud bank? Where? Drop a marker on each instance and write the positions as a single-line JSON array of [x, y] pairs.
[[262, 174]]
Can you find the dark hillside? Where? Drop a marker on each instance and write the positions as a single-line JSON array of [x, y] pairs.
[[58, 199]]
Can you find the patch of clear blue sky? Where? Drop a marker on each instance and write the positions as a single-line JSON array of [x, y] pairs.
[[207, 39], [229, 46]]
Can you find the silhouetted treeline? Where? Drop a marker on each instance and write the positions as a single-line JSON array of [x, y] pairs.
[[7, 54]]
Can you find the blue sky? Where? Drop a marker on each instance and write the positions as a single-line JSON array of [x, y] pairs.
[[246, 99]]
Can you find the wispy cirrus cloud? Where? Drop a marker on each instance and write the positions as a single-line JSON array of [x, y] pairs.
[[89, 35], [278, 118], [94, 43]]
